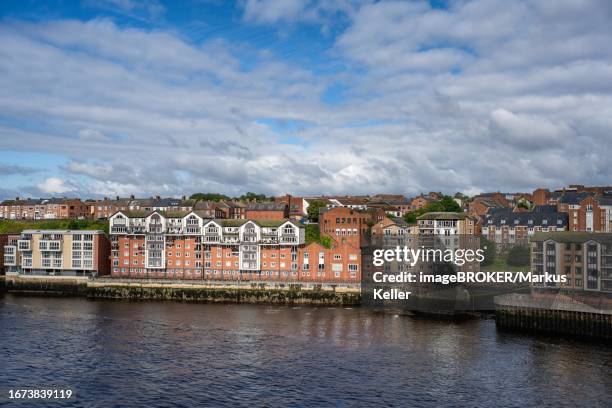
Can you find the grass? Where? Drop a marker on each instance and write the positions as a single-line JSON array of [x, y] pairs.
[[16, 226], [313, 235], [500, 265]]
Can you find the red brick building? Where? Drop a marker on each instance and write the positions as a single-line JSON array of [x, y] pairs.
[[188, 246], [267, 211], [44, 209], [345, 225]]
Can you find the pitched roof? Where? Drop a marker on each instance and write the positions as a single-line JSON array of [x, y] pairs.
[[528, 219], [573, 197], [134, 213], [571, 236], [265, 207]]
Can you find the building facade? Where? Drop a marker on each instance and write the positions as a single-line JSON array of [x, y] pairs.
[[507, 228], [58, 253], [44, 209], [188, 246], [347, 225], [584, 258]]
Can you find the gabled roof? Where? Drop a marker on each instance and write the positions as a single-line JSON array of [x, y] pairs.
[[133, 213], [574, 198]]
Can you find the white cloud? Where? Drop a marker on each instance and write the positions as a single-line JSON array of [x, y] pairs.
[[55, 185], [485, 95], [529, 131]]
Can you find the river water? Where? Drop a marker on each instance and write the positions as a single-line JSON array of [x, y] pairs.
[[159, 354]]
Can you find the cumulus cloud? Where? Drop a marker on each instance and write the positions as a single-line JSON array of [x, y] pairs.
[[483, 95], [529, 131], [55, 185]]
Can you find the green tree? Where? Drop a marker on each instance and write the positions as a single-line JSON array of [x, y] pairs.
[[313, 234], [489, 251], [313, 210], [249, 196], [446, 204], [523, 205], [410, 217], [518, 256], [209, 196]]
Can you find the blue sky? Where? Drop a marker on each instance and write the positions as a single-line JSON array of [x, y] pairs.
[[119, 97]]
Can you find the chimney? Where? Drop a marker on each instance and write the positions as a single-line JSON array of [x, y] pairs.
[[17, 198], [288, 199], [117, 198], [158, 197], [184, 198], [131, 196], [105, 198]]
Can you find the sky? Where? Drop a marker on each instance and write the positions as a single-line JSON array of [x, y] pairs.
[[119, 97]]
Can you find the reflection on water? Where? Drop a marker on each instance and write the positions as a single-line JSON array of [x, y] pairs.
[[159, 353]]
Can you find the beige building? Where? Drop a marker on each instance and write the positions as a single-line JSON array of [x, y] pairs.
[[58, 252], [584, 258]]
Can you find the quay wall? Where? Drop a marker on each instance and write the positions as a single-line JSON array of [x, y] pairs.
[[526, 313], [177, 291]]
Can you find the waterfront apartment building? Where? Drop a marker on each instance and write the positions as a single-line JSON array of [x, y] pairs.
[[584, 258], [507, 228], [185, 245], [58, 253]]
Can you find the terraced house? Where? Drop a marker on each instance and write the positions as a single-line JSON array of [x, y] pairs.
[[43, 209], [186, 245], [507, 228]]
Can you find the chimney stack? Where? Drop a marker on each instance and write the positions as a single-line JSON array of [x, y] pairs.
[[184, 198], [131, 196], [117, 198]]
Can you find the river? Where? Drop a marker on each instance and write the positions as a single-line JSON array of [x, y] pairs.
[[157, 354]]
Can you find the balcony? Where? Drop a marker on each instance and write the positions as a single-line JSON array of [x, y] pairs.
[[212, 238], [54, 246], [288, 239], [10, 260], [268, 240], [24, 245]]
